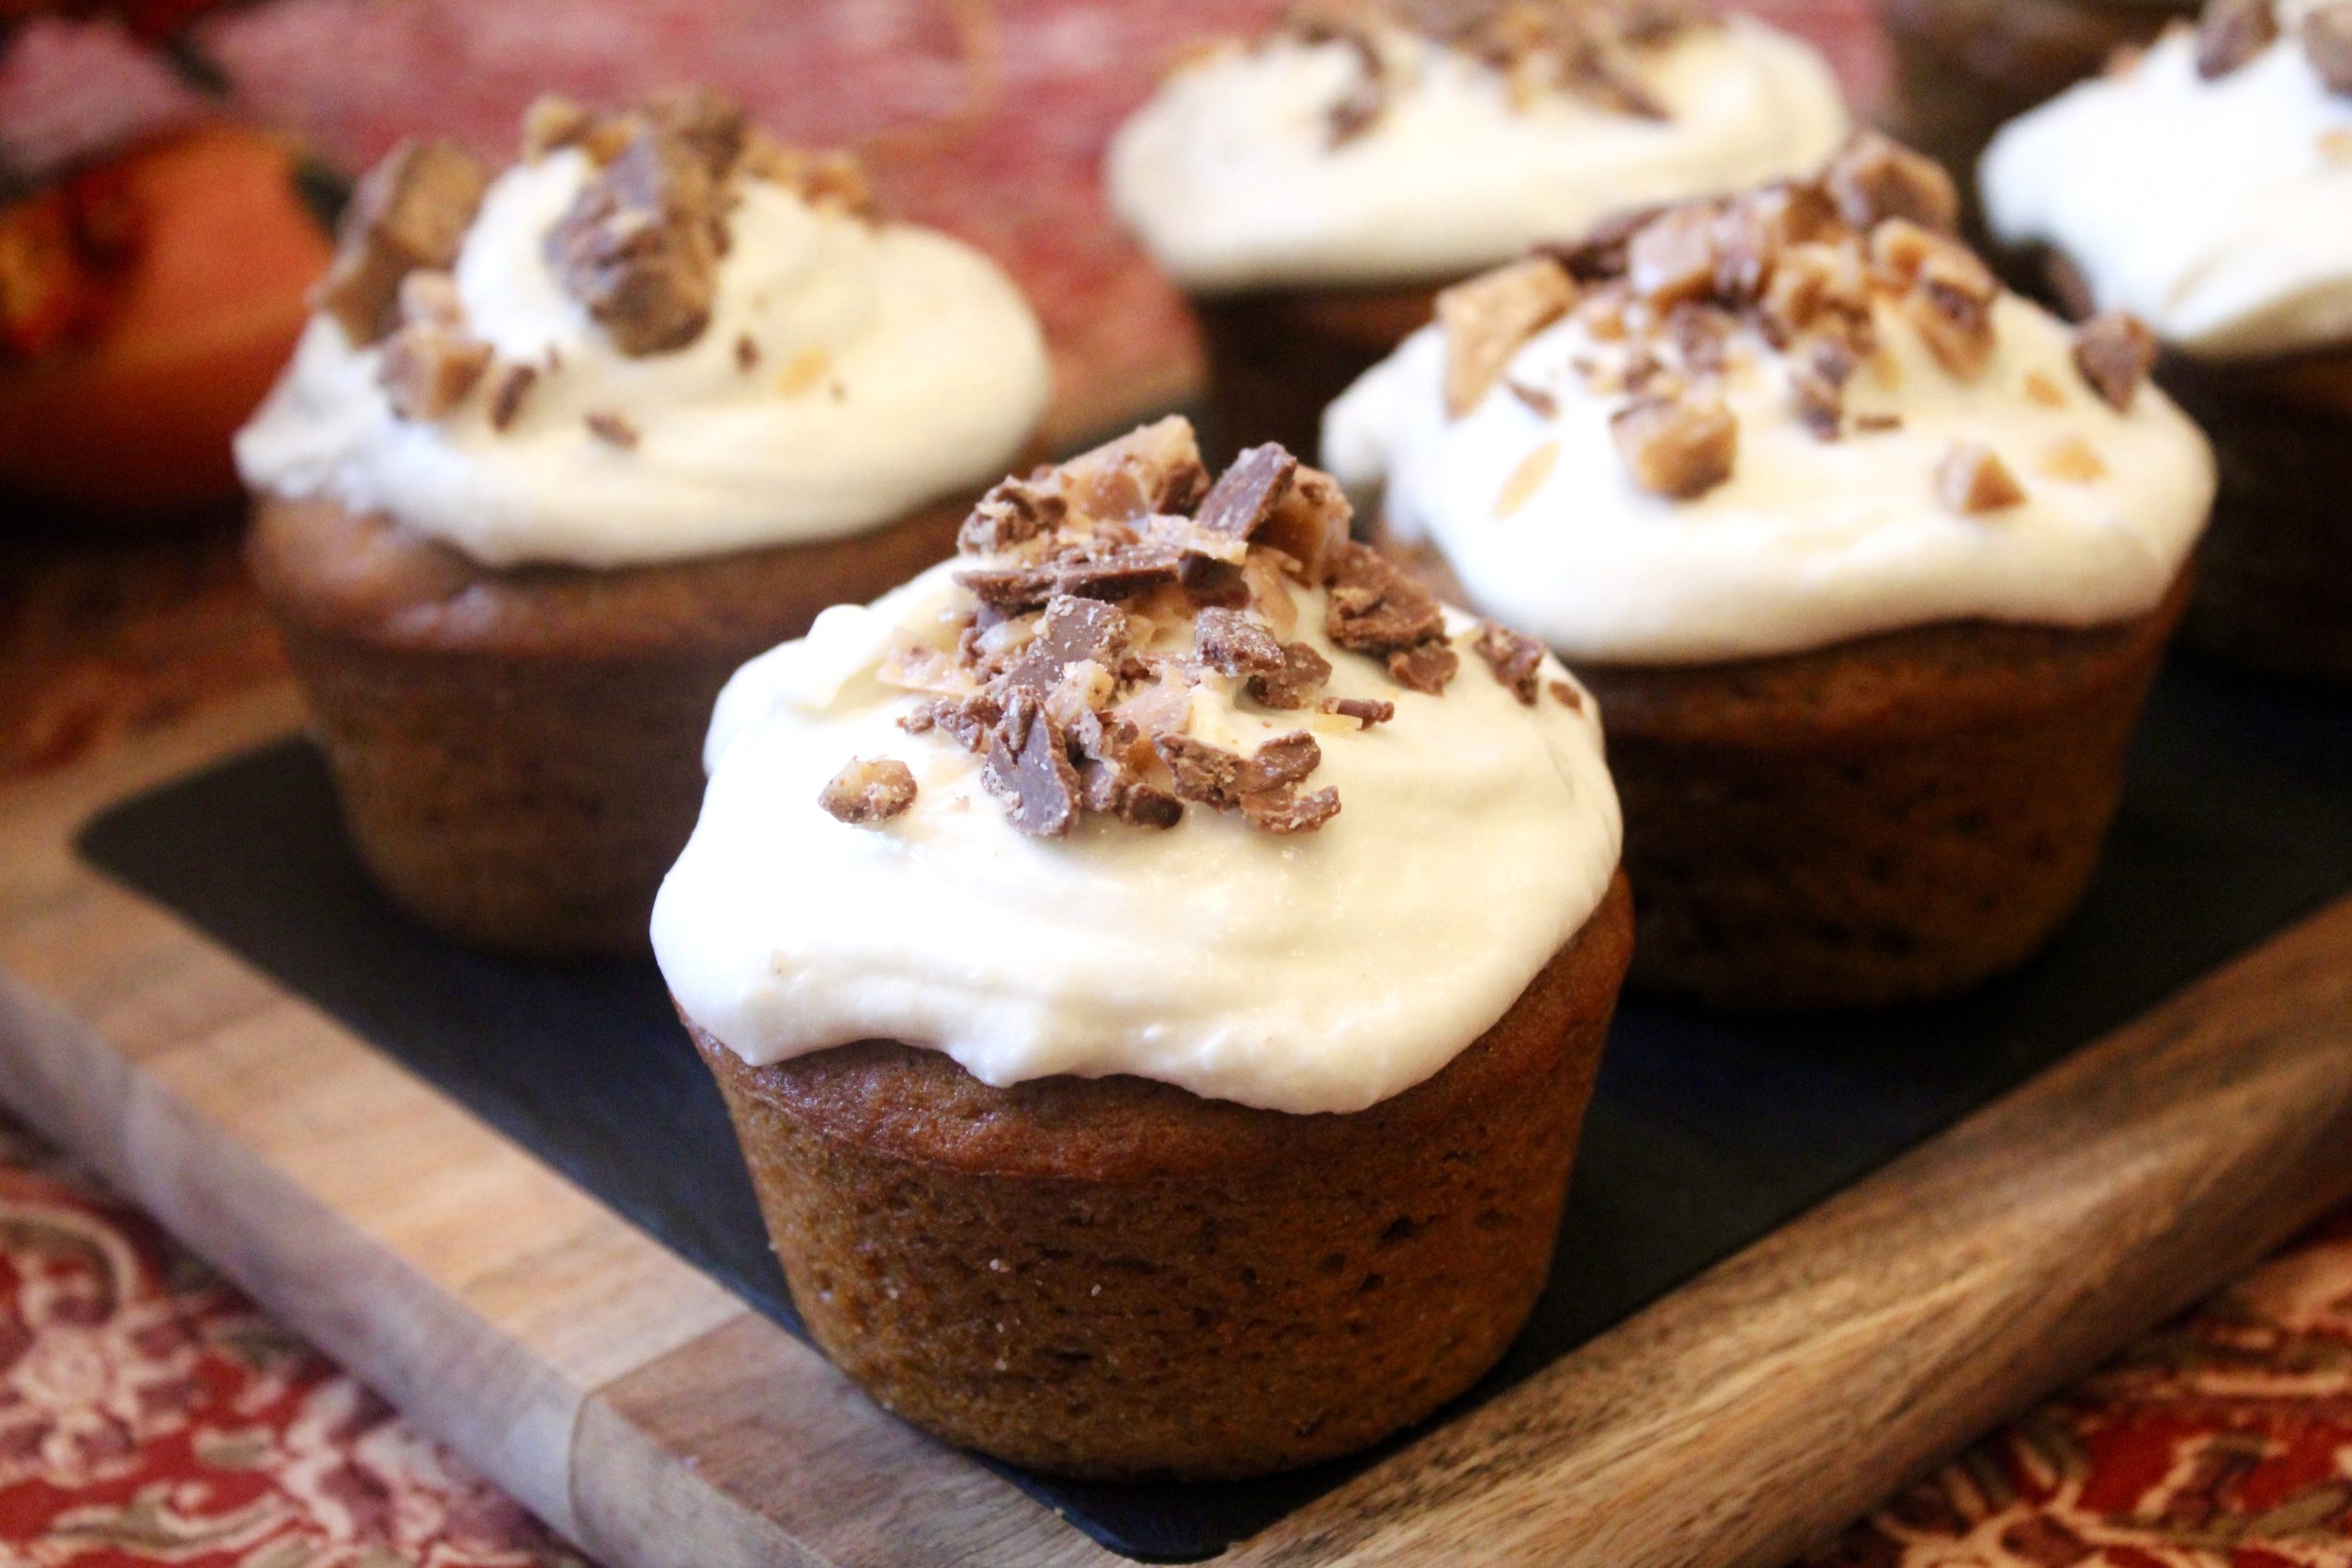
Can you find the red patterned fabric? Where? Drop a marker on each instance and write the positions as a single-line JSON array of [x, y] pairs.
[[149, 1414]]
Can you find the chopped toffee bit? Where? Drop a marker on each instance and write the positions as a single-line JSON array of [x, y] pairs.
[[1950, 304], [1567, 696], [639, 246], [747, 353], [1365, 711], [1817, 381], [1029, 768], [1672, 257], [1540, 403], [869, 791], [612, 429], [507, 389], [1516, 659], [1285, 811], [2073, 460], [2326, 33], [2230, 33], [1426, 667], [553, 121], [968, 720], [1011, 512], [1236, 643], [1973, 478], [1375, 608], [428, 368], [2041, 387], [1874, 179], [409, 211], [1486, 320], [1527, 477], [1681, 447], [1876, 424], [1293, 685], [2115, 351], [1246, 494], [1310, 525]]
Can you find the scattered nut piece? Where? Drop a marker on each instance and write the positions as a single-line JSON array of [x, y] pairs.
[[2115, 351], [1486, 320], [868, 792], [1681, 447], [1527, 477], [612, 429], [1972, 479]]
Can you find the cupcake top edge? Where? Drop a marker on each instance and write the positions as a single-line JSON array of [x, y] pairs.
[[1158, 776], [2205, 184], [1768, 423], [659, 334], [1407, 142]]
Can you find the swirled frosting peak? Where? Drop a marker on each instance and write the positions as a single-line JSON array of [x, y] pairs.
[[1401, 140], [1761, 426], [2206, 186], [659, 335], [1160, 776]]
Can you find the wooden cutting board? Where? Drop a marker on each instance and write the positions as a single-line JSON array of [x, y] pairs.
[[656, 1420]]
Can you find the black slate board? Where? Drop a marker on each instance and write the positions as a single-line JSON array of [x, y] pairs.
[[1705, 1135]]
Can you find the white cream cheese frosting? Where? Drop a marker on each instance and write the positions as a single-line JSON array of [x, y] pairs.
[[888, 365], [1322, 971], [2219, 211], [1806, 542], [1230, 177]]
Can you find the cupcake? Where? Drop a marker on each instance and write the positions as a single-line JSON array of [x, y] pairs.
[[2207, 189], [1870, 562], [564, 446], [1157, 961], [1311, 190], [1965, 67]]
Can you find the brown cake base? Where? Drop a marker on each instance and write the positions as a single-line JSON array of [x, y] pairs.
[[518, 753], [1114, 1278], [1278, 358], [1890, 819]]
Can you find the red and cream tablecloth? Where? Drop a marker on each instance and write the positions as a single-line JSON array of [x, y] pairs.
[[150, 1415]]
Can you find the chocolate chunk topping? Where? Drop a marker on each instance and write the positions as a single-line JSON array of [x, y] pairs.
[[970, 720], [1427, 667], [1681, 447], [411, 211], [1285, 760], [2327, 38], [1973, 478], [1073, 631], [612, 429], [1373, 608], [1302, 673], [1233, 643], [1310, 524], [2115, 351], [1365, 711], [1208, 773], [2230, 33], [1011, 512], [869, 791], [428, 369], [1029, 769], [1285, 811], [507, 391], [1246, 494], [1517, 659], [1874, 179], [1486, 320], [639, 245]]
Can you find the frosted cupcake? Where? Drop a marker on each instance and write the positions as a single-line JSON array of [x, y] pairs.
[[2207, 188], [1157, 963], [1312, 189], [1870, 562], [565, 446]]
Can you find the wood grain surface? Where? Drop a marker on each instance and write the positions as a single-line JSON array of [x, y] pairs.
[[651, 1416]]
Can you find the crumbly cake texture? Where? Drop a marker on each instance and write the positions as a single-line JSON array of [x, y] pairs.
[[1111, 1278], [638, 248], [1585, 48], [517, 752], [1101, 594]]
